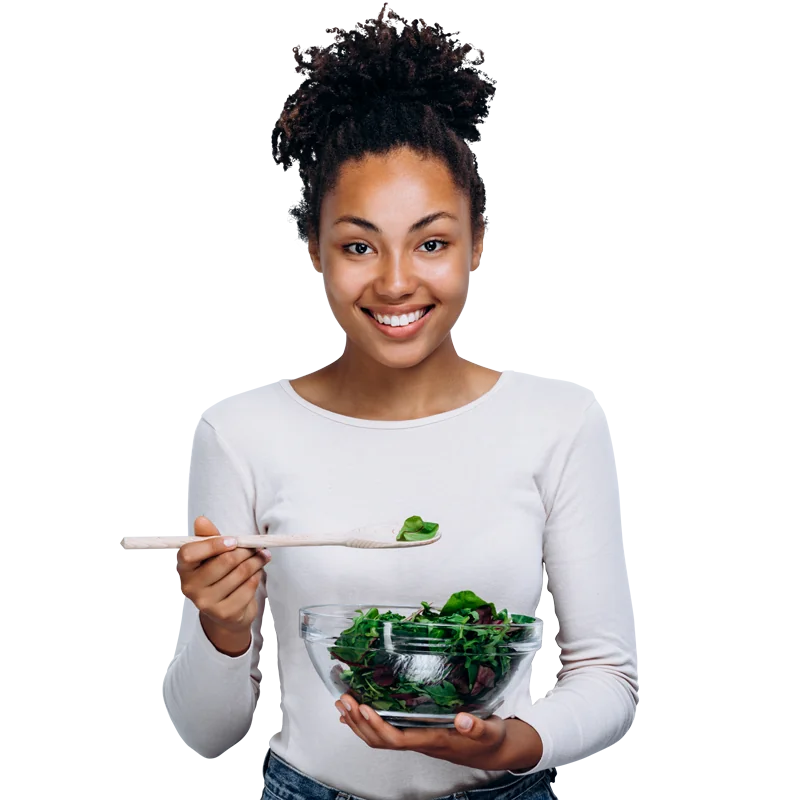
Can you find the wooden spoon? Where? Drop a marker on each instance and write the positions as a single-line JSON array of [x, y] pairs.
[[368, 537]]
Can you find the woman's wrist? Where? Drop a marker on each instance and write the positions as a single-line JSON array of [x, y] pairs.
[[522, 748], [230, 643]]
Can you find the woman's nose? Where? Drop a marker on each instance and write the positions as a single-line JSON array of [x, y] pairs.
[[396, 276]]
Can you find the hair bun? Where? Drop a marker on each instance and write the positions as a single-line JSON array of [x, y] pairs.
[[376, 65]]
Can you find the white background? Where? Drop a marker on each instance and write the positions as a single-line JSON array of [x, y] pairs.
[[145, 270]]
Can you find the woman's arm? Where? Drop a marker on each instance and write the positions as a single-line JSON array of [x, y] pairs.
[[522, 748], [227, 642], [594, 700], [211, 695]]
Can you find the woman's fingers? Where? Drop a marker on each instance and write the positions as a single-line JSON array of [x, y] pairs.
[[238, 601], [221, 579], [251, 565], [220, 566], [359, 727], [369, 725], [192, 555]]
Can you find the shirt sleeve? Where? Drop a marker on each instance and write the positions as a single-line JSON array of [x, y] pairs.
[[594, 700], [210, 696]]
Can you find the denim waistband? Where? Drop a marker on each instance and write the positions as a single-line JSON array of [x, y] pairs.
[[289, 783]]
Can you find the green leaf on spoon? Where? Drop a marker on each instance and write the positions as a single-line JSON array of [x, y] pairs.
[[416, 530]]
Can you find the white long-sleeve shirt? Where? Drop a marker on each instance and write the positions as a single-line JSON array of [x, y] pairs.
[[520, 477]]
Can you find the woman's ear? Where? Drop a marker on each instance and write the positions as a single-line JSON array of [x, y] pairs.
[[477, 249], [313, 251]]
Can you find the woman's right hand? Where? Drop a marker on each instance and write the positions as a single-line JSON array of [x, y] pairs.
[[221, 580]]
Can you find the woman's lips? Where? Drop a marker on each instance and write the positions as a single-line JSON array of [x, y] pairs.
[[399, 331]]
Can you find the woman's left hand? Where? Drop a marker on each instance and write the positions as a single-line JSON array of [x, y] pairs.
[[478, 743]]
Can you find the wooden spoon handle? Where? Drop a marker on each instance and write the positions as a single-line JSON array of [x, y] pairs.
[[267, 540]]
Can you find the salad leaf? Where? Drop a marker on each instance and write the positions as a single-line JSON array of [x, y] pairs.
[[416, 530], [462, 601], [473, 659]]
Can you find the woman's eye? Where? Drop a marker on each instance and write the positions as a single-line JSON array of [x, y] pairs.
[[361, 248], [357, 245]]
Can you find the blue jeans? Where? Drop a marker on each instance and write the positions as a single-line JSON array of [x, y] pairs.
[[283, 782]]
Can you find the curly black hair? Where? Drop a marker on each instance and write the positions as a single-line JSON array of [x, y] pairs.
[[376, 88]]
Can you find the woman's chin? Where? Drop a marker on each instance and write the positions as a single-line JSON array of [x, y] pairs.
[[400, 356], [392, 351], [400, 361]]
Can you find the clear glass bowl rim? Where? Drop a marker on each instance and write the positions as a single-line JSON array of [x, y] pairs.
[[506, 649], [310, 610]]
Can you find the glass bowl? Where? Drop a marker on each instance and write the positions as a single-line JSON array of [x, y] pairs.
[[420, 673]]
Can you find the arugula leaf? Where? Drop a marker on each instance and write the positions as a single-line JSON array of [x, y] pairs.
[[416, 530]]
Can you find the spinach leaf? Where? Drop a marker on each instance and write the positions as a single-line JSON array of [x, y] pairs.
[[467, 600], [415, 530]]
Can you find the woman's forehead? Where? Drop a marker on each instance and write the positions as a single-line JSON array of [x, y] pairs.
[[390, 181]]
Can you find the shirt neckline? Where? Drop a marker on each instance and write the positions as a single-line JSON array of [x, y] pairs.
[[395, 423]]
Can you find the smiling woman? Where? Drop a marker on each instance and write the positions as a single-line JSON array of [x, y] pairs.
[[392, 210], [393, 216]]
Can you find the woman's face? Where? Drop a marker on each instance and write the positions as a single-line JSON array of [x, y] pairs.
[[395, 242]]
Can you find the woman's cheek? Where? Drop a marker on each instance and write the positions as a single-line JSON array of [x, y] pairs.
[[344, 285], [451, 291]]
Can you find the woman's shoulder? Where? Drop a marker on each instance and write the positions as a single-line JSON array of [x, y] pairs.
[[238, 412], [545, 412], [550, 395]]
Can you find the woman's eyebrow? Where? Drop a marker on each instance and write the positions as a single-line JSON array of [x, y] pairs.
[[420, 223]]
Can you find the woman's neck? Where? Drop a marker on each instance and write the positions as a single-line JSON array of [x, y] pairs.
[[356, 385]]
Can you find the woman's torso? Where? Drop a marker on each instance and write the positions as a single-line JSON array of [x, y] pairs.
[[479, 471]]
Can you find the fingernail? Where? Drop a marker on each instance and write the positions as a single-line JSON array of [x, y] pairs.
[[341, 713], [346, 705], [229, 541], [364, 713], [266, 554], [465, 723]]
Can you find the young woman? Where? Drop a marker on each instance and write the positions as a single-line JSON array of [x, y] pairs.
[[518, 470]]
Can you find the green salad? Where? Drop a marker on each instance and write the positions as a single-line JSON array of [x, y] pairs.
[[471, 660]]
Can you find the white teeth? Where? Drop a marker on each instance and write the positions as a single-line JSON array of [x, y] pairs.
[[399, 321]]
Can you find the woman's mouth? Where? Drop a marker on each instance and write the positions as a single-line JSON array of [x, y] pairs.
[[399, 326]]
